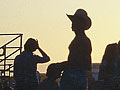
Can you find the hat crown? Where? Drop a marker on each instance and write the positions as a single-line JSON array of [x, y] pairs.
[[81, 16], [80, 12]]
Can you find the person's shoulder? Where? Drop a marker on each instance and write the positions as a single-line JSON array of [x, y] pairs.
[[83, 39], [87, 39], [19, 56]]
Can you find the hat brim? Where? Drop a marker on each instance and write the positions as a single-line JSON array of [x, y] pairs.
[[70, 17], [85, 20], [73, 17]]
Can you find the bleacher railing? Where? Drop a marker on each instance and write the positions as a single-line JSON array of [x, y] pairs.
[[5, 68]]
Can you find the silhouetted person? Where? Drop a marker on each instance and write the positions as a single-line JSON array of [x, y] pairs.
[[109, 67], [25, 66], [78, 67], [53, 72]]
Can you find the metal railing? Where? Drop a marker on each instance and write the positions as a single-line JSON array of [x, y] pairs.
[[5, 67]]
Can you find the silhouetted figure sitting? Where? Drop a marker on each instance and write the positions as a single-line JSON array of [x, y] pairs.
[[53, 72], [25, 66], [110, 67], [78, 66]]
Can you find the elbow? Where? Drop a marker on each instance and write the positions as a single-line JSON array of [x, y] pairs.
[[47, 59]]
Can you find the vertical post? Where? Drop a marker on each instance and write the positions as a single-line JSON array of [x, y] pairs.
[[20, 43], [9, 70], [5, 60], [9, 75]]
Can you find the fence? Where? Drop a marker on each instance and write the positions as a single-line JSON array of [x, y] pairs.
[[7, 68]]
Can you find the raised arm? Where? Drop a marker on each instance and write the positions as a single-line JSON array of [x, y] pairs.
[[43, 53], [45, 57]]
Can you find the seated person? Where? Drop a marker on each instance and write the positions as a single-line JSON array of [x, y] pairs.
[[53, 72], [109, 70]]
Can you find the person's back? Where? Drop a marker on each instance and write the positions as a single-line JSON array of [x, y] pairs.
[[19, 68], [25, 68]]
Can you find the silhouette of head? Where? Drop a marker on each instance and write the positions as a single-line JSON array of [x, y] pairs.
[[80, 20], [53, 71], [111, 52], [30, 45]]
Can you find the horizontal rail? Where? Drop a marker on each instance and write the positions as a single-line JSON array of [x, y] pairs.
[[6, 64], [10, 55], [13, 53], [10, 41], [4, 70], [9, 68], [2, 60], [6, 59], [11, 34], [13, 47]]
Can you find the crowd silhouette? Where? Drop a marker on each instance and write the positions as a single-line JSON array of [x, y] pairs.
[[76, 72]]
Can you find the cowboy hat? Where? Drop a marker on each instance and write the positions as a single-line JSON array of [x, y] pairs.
[[81, 16]]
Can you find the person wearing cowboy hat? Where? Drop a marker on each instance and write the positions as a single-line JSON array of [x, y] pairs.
[[77, 69]]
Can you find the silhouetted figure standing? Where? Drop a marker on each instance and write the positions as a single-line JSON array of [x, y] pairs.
[[25, 66], [110, 67], [78, 67]]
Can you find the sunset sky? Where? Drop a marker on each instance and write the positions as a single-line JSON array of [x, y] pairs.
[[46, 21]]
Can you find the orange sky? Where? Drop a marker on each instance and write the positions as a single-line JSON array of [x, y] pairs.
[[46, 21]]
